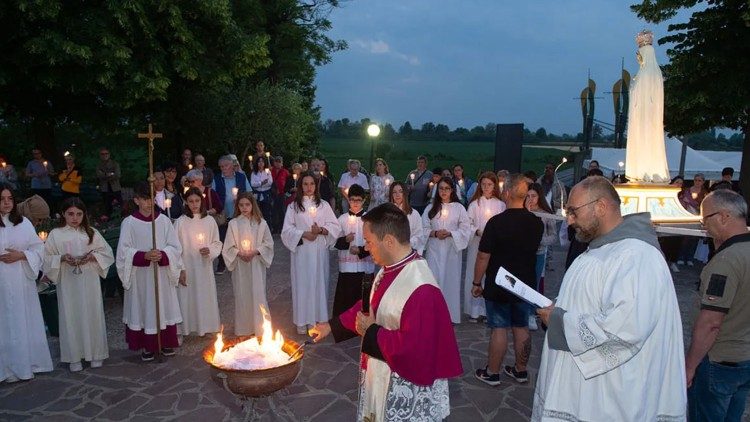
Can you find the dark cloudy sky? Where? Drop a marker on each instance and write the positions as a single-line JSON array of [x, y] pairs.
[[470, 62]]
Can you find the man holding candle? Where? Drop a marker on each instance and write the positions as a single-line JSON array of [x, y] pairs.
[[409, 348], [39, 170], [418, 182]]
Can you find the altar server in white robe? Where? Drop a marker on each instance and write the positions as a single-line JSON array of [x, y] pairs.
[[75, 257], [448, 230], [483, 205], [397, 196], [310, 229], [248, 253], [196, 291], [23, 343], [134, 267], [614, 348]]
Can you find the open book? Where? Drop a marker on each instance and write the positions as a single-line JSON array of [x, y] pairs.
[[514, 285]]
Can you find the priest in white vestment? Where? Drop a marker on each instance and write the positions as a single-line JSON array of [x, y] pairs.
[[196, 291], [23, 342], [614, 348], [310, 229]]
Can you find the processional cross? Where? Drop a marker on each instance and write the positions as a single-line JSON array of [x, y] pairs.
[[150, 135]]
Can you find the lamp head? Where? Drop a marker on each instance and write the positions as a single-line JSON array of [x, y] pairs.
[[373, 130]]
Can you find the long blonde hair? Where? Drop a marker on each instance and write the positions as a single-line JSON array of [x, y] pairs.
[[495, 191], [256, 214]]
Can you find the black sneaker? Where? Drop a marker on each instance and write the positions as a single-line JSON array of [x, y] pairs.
[[147, 356], [167, 351], [520, 376], [482, 375]]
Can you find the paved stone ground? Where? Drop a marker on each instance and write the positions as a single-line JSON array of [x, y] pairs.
[[182, 387]]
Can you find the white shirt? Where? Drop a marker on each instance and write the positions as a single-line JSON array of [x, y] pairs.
[[347, 180]]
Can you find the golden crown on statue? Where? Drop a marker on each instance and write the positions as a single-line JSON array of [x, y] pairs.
[[644, 37]]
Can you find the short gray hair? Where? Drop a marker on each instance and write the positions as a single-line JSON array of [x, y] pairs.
[[226, 158], [195, 174], [729, 201], [353, 161]]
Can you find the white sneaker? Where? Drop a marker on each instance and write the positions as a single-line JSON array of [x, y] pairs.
[[690, 263], [76, 366], [674, 268], [680, 262], [96, 363], [532, 323]]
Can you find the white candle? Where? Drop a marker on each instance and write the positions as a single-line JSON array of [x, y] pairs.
[[42, 235], [501, 185], [185, 189], [411, 176], [352, 221], [235, 190], [694, 195], [346, 191], [190, 166], [4, 164], [268, 155], [201, 238], [268, 171], [487, 214], [321, 173], [246, 244], [45, 164], [387, 182], [294, 176], [250, 158], [168, 205], [443, 216], [313, 212]]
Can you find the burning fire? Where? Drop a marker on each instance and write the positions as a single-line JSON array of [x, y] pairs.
[[252, 353]]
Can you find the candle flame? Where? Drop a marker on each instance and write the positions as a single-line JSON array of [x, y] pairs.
[[250, 157], [444, 213], [235, 190], [294, 176], [190, 166], [387, 182], [411, 176], [43, 236], [246, 244], [4, 164]]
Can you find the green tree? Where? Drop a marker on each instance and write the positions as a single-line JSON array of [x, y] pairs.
[[405, 129], [706, 78]]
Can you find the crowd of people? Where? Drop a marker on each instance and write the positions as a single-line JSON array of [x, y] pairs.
[[613, 332]]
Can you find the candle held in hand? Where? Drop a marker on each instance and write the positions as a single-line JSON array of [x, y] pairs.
[[43, 236], [201, 239], [246, 245], [235, 190]]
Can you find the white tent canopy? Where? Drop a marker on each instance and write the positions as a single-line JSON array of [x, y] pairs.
[[709, 163]]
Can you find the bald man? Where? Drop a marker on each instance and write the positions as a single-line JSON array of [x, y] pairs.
[[614, 348]]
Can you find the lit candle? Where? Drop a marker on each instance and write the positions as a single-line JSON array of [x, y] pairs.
[[185, 189], [346, 191], [487, 214], [45, 164], [190, 166], [246, 245], [352, 221], [4, 164], [250, 158], [43, 236], [411, 176], [321, 173], [313, 212], [268, 155], [694, 195], [168, 205], [268, 170], [201, 238], [235, 191], [443, 217], [501, 185], [387, 182], [294, 176], [66, 153]]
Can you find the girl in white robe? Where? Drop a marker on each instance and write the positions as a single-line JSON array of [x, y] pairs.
[[417, 236], [23, 343], [248, 253], [484, 205], [196, 291], [75, 257], [447, 226], [310, 229]]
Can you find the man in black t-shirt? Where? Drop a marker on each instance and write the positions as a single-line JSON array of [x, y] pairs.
[[510, 240]]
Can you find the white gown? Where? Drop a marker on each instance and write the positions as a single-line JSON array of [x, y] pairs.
[[83, 329], [417, 237], [310, 261], [624, 331], [23, 342], [444, 256], [480, 211], [248, 278], [199, 305], [139, 310]]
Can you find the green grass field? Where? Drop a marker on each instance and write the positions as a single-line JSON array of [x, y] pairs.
[[401, 155]]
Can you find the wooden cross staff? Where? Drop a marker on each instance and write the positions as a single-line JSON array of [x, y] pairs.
[[150, 135]]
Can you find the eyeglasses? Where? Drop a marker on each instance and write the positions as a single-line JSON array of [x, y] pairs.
[[356, 200], [703, 220], [445, 188], [571, 211]]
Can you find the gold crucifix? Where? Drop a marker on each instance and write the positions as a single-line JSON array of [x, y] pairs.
[[150, 135]]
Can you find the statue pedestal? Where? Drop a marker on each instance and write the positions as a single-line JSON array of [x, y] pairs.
[[658, 199]]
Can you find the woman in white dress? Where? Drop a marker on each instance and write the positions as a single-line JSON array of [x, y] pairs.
[[196, 291], [310, 229], [380, 182], [397, 196], [23, 343], [448, 230], [248, 252], [484, 204], [75, 257]]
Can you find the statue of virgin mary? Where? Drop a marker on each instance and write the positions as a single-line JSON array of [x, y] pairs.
[[645, 156]]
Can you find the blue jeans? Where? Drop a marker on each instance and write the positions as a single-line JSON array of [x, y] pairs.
[[507, 315], [541, 261], [719, 391]]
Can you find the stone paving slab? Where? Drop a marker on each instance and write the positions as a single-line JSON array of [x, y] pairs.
[[182, 388]]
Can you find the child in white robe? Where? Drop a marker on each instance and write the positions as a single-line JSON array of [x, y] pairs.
[[396, 195], [447, 225], [196, 291], [248, 253], [75, 257]]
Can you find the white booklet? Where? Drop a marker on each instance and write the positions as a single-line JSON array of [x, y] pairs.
[[514, 285]]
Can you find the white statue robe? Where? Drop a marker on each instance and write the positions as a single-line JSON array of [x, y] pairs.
[[622, 325], [444, 257], [139, 309], [199, 305], [248, 278], [83, 329], [417, 236], [310, 260], [480, 211], [23, 342]]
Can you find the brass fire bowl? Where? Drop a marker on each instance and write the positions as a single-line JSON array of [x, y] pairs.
[[256, 382]]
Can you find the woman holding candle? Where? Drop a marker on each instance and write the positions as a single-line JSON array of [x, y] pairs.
[[484, 205], [310, 228], [397, 196], [462, 183], [248, 253], [380, 182], [8, 173], [536, 202], [167, 202], [291, 184], [196, 291], [75, 257], [22, 338], [70, 178], [261, 182], [448, 227]]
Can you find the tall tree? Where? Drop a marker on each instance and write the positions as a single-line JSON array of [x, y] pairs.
[[709, 63]]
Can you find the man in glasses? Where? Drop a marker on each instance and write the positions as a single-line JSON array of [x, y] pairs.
[[614, 348], [718, 361]]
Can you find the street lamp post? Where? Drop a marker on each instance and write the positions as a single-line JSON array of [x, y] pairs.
[[373, 131]]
